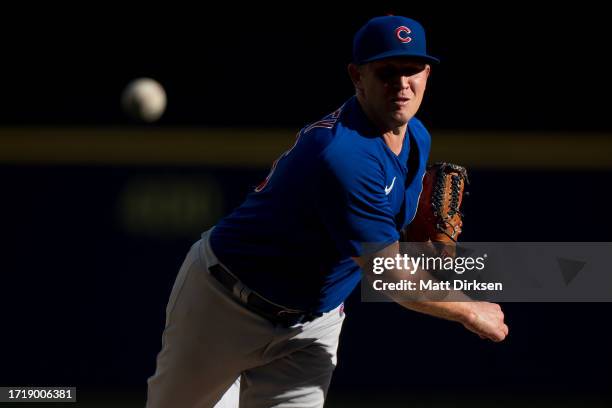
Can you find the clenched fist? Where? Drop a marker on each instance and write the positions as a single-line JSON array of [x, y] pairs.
[[485, 319]]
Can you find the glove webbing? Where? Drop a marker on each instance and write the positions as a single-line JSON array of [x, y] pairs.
[[438, 196]]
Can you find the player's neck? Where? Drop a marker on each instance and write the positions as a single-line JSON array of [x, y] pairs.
[[393, 136], [395, 139]]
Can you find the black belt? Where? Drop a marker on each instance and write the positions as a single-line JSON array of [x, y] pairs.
[[252, 300]]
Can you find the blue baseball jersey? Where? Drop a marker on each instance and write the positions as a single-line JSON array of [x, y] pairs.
[[338, 187]]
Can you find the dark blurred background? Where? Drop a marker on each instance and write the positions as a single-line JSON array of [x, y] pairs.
[[99, 210]]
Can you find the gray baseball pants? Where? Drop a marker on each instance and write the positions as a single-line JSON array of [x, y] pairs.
[[217, 353]]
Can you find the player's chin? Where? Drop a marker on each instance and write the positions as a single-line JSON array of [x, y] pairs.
[[401, 117]]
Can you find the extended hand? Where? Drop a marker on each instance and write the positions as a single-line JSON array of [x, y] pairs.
[[487, 320]]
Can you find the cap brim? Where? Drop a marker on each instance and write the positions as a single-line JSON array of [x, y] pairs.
[[400, 53]]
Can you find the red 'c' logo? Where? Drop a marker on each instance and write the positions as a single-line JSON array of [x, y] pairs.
[[402, 32]]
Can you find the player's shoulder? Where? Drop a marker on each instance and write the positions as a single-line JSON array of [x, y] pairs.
[[320, 134], [327, 123], [416, 125], [352, 152]]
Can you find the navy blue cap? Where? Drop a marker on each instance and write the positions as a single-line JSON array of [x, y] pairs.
[[390, 36]]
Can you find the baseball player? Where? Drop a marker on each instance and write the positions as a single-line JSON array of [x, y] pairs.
[[256, 311]]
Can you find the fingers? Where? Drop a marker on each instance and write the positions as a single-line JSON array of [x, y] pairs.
[[495, 336], [487, 321], [501, 332], [500, 329], [499, 336]]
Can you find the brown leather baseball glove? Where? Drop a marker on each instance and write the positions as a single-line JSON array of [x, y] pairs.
[[438, 217]]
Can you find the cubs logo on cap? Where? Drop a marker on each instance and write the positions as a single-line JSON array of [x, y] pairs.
[[390, 36], [402, 34]]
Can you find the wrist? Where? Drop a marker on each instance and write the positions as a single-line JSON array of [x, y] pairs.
[[464, 313]]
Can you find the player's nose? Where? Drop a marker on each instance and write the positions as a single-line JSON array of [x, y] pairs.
[[404, 81], [399, 83]]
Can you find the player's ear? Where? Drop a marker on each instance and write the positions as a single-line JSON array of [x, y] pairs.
[[355, 75]]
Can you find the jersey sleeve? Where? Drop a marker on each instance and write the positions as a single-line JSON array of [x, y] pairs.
[[351, 201]]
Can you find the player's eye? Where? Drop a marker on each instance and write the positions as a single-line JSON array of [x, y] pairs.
[[410, 71], [388, 73], [385, 74]]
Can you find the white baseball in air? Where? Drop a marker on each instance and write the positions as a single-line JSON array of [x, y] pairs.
[[144, 99]]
